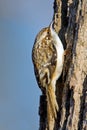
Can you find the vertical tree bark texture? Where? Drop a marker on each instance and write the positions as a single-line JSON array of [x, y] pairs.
[[70, 18], [74, 92]]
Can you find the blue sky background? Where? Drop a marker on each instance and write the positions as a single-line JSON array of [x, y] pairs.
[[20, 21]]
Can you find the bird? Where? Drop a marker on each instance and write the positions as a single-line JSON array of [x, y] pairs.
[[48, 58]]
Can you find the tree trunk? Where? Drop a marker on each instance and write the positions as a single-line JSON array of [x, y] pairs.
[[70, 18]]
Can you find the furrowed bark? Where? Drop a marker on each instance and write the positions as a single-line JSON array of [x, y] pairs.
[[70, 18]]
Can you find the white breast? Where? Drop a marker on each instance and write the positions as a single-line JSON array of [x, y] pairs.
[[60, 52]]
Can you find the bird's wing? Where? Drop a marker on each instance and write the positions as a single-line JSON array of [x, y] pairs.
[[44, 57]]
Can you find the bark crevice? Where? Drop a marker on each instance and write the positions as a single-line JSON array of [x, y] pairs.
[[83, 109], [70, 22]]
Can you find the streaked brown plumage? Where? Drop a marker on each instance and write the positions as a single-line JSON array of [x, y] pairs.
[[47, 56]]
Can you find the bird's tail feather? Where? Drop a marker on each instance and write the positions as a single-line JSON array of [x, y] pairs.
[[52, 106]]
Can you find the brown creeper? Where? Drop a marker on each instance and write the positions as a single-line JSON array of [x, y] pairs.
[[47, 56]]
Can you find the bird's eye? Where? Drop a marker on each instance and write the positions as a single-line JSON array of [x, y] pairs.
[[48, 32]]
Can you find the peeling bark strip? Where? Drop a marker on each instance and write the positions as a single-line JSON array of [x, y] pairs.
[[70, 18]]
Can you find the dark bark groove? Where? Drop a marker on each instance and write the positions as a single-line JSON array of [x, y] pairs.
[[70, 22], [83, 109]]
